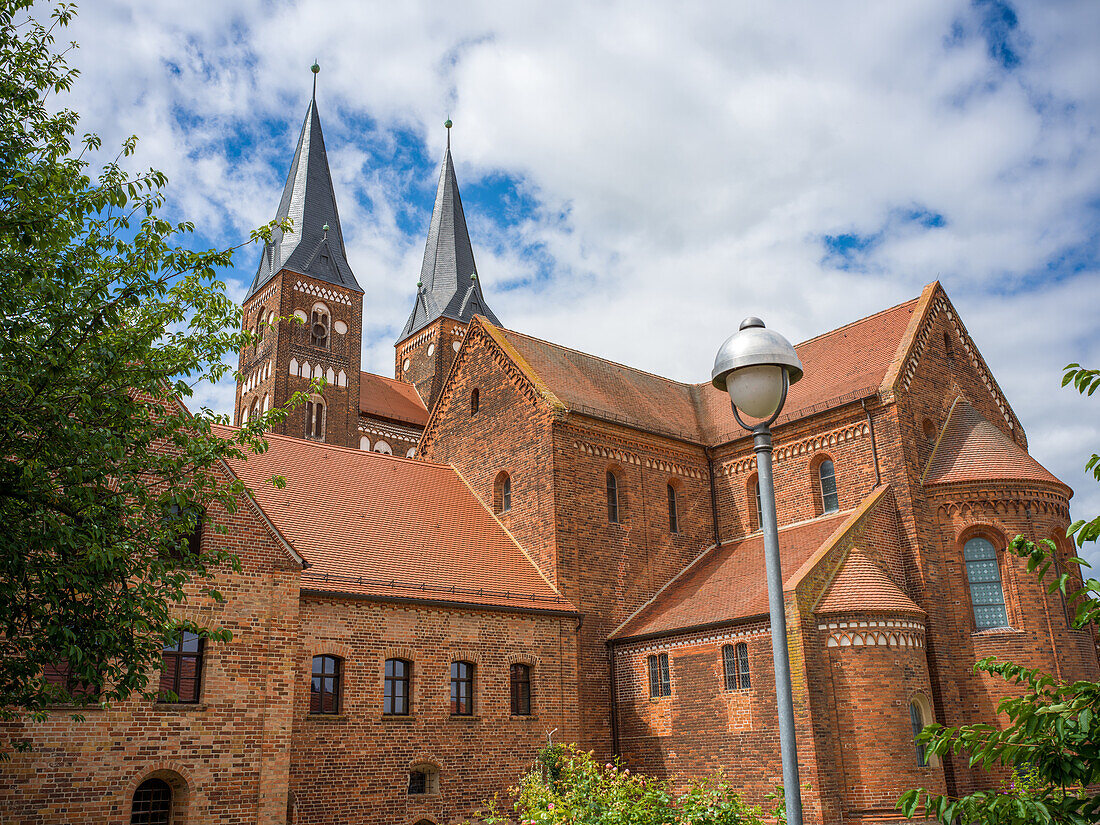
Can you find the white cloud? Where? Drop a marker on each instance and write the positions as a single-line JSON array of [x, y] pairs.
[[698, 152]]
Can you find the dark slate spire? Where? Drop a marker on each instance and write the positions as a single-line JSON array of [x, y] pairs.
[[315, 247], [449, 286]]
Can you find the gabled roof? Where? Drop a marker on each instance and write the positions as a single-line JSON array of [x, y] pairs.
[[862, 586], [310, 202], [392, 529], [389, 398], [727, 583], [970, 448], [844, 365], [449, 286]]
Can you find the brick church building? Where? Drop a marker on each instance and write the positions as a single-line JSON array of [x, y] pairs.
[[512, 541]]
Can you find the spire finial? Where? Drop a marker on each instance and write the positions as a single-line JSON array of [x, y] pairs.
[[447, 123], [315, 68]]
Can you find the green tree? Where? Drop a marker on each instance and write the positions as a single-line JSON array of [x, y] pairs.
[[1051, 746], [107, 321]]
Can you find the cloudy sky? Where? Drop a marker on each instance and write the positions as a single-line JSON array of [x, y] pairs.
[[639, 176]]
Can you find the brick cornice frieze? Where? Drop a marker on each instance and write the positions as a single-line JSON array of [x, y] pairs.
[[991, 499], [800, 447]]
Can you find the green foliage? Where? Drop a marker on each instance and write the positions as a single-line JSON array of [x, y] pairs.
[[568, 785], [1052, 742], [107, 321]]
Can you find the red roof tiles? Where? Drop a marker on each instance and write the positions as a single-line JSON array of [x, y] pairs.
[[391, 528], [728, 582], [388, 398], [861, 586], [970, 448], [843, 365]]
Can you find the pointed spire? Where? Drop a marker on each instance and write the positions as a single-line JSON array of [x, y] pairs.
[[315, 247], [448, 285]]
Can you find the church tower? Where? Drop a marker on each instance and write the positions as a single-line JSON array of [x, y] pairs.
[[447, 296], [304, 276]]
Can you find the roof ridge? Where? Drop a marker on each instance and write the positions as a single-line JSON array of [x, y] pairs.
[[664, 378], [420, 462]]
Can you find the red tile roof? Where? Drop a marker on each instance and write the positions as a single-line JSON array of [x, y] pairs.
[[843, 365], [391, 528], [728, 582], [862, 586], [388, 398], [970, 448]]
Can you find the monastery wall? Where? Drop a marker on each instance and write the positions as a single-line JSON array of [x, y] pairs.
[[354, 766]]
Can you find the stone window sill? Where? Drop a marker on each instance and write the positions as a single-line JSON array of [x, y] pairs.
[[996, 631], [180, 707]]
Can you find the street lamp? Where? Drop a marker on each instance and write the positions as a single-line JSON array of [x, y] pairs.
[[756, 366]]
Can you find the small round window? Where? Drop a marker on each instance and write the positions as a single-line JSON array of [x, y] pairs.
[[405, 367], [431, 349]]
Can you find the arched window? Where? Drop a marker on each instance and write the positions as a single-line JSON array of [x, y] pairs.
[[475, 400], [826, 479], [754, 494], [182, 670], [383, 447], [319, 326], [983, 573], [364, 443], [255, 410], [411, 453], [260, 327], [423, 779], [660, 684], [315, 419], [152, 803], [735, 666], [462, 689], [395, 697], [324, 688], [502, 492], [520, 678], [613, 514], [918, 722], [673, 516], [948, 349]]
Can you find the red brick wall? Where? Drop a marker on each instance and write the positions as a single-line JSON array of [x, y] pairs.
[[354, 767], [510, 433], [231, 750], [429, 355], [288, 291]]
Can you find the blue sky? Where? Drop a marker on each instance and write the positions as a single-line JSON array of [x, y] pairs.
[[638, 176]]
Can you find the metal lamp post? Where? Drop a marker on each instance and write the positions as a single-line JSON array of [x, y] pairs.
[[756, 366]]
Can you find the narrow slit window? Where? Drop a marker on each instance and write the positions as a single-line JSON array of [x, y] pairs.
[[612, 497], [826, 476], [759, 504], [916, 719], [673, 516], [475, 400]]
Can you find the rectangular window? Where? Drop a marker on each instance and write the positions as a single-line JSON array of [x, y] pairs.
[[462, 689], [395, 699], [918, 725], [660, 684], [324, 689], [673, 521], [182, 670], [521, 690], [735, 666]]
